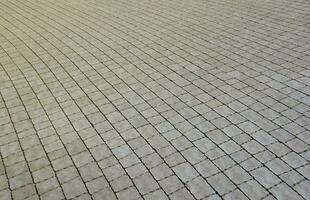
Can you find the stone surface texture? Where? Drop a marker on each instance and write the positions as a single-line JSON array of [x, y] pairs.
[[145, 99]]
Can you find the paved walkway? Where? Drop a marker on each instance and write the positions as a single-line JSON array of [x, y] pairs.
[[154, 99]]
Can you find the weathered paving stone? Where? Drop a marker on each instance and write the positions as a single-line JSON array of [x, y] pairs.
[[265, 177], [221, 183], [158, 194], [236, 194], [185, 172], [253, 190], [182, 194], [303, 188], [170, 184], [145, 183], [199, 188], [283, 191], [154, 99], [74, 188]]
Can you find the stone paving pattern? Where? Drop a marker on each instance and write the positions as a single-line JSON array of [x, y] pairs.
[[145, 99]]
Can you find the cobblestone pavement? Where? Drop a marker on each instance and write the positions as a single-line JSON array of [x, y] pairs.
[[145, 99]]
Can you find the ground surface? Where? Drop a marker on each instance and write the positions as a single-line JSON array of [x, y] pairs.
[[145, 99]]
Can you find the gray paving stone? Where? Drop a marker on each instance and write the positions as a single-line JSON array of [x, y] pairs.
[[121, 183], [96, 185], [174, 159], [82, 159], [136, 170], [185, 172], [265, 177], [237, 175], [297, 145], [305, 171], [161, 171], [303, 189], [171, 184], [230, 147], [278, 149], [224, 162], [253, 190], [53, 194], [253, 147], [181, 143], [158, 100], [158, 194], [263, 138], [215, 153], [145, 183], [43, 174], [182, 194], [291, 177], [20, 180], [47, 185], [122, 151], [221, 184], [73, 188], [90, 171], [277, 166], [25, 192], [232, 130], [193, 155], [199, 188], [5, 194], [16, 169], [283, 191], [152, 160], [236, 194], [106, 193]]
